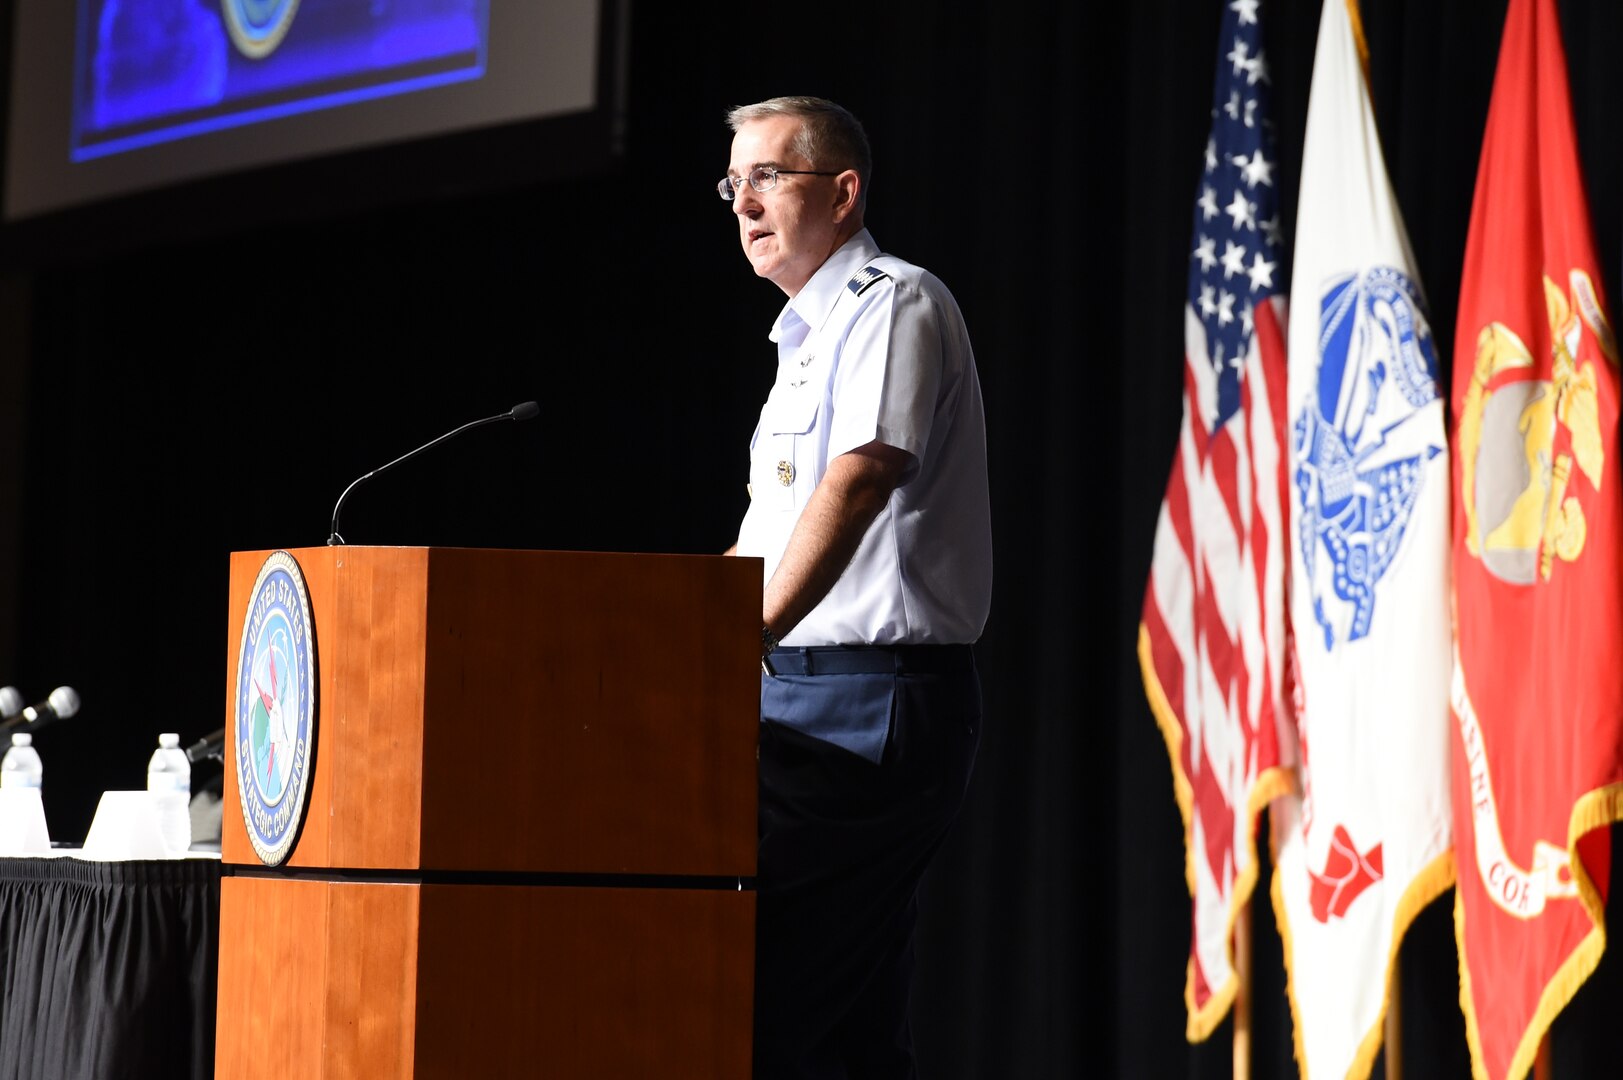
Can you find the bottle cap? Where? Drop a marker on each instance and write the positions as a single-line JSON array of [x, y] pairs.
[[22, 739], [168, 740]]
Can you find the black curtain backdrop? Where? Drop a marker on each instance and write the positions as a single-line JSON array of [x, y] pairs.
[[181, 377]]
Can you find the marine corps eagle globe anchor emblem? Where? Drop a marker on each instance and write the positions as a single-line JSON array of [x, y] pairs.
[[1520, 437], [1360, 462]]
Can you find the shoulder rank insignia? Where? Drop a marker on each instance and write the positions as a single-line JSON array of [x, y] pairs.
[[864, 278]]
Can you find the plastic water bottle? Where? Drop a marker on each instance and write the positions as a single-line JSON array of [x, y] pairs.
[[21, 767], [169, 779]]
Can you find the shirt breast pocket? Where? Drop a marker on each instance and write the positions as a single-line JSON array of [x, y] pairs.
[[785, 452]]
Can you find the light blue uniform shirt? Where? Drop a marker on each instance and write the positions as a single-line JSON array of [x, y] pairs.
[[874, 348]]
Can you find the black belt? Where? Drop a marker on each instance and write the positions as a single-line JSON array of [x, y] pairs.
[[870, 659]]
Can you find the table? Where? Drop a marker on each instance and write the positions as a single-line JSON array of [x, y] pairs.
[[108, 969]]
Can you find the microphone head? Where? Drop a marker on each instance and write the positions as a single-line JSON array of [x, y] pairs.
[[527, 411], [64, 701], [11, 702]]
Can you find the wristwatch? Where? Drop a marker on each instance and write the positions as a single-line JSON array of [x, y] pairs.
[[769, 641]]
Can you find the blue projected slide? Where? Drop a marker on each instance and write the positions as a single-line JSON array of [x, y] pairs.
[[150, 71]]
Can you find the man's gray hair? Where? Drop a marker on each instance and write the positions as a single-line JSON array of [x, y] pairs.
[[830, 137]]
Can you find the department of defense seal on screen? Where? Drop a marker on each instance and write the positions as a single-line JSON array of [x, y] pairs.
[[275, 730], [258, 26]]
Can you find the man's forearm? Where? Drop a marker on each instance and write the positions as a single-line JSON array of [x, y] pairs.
[[845, 502]]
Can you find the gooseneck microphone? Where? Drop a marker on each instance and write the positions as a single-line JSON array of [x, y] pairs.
[[209, 747], [525, 411], [63, 703]]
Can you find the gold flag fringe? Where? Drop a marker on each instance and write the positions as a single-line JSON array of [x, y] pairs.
[[1270, 784], [1595, 809]]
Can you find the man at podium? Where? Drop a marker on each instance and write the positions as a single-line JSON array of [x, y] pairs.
[[868, 503]]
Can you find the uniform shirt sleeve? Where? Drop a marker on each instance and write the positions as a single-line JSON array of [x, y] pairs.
[[889, 373]]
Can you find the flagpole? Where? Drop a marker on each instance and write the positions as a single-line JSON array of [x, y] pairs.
[[1242, 996], [1394, 1022]]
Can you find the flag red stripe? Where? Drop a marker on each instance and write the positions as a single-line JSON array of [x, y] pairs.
[[1217, 819], [1224, 465], [1194, 421], [1270, 345], [1214, 635], [1168, 668], [1177, 506], [1270, 342]]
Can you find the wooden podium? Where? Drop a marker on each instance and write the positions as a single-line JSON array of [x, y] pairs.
[[530, 838]]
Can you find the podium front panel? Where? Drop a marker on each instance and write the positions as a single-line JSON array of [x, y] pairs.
[[531, 825], [379, 981], [591, 713], [523, 711]]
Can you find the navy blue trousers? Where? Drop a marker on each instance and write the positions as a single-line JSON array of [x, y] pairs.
[[843, 844]]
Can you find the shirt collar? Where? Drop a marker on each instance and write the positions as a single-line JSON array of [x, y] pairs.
[[812, 304]]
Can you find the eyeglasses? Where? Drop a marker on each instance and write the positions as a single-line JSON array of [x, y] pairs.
[[762, 178]]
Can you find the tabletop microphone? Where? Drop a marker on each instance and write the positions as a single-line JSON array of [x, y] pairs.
[[210, 747], [524, 411], [63, 703], [11, 702]]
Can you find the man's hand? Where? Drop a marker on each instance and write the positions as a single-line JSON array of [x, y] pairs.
[[850, 495]]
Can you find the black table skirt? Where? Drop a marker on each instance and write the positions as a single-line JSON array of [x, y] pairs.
[[108, 970]]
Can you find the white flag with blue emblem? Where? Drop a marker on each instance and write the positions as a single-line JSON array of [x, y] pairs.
[[1364, 844]]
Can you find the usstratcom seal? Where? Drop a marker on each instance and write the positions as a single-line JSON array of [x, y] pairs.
[[276, 708]]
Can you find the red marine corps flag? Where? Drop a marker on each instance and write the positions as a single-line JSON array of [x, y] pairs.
[[1538, 570], [1213, 630]]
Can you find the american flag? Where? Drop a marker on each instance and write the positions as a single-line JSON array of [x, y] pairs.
[[1212, 640]]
